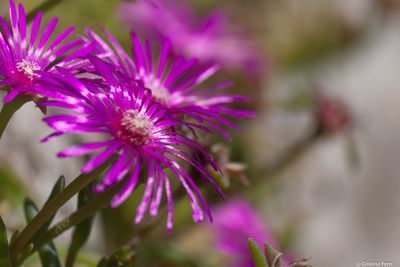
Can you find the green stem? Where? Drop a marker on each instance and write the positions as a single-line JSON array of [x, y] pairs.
[[43, 7], [52, 207], [8, 111], [97, 203], [292, 154]]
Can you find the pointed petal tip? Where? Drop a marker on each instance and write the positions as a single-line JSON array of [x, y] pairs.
[[153, 212], [61, 154], [116, 201], [138, 219], [99, 188], [86, 169]]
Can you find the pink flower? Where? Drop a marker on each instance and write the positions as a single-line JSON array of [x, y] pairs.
[[211, 39], [20, 60], [234, 222], [333, 116]]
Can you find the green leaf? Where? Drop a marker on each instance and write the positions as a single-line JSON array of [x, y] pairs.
[[274, 257], [13, 237], [11, 190], [4, 252], [82, 231], [47, 253], [257, 254], [122, 257], [58, 187]]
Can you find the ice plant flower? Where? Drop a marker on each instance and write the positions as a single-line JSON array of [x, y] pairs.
[[333, 116], [235, 222], [20, 60], [211, 39], [176, 87], [133, 127]]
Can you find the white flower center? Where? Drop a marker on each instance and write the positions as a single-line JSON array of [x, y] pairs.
[[158, 92], [28, 68], [135, 128], [160, 96]]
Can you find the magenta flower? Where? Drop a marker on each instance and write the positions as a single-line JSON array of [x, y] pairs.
[[235, 222], [333, 116], [211, 39], [133, 127], [174, 87], [20, 60]]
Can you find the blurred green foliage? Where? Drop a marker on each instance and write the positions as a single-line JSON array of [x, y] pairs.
[[48, 252], [11, 190], [4, 256]]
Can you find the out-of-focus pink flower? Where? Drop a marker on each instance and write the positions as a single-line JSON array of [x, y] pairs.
[[234, 222], [211, 39], [333, 115]]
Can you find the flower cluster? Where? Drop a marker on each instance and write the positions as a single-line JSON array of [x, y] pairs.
[[134, 127], [141, 107], [175, 87]]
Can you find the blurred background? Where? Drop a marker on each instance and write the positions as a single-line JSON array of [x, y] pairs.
[[322, 154]]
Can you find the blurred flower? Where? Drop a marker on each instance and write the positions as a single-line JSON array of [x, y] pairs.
[[389, 3], [134, 127], [211, 39], [175, 86], [333, 116], [20, 61], [234, 222]]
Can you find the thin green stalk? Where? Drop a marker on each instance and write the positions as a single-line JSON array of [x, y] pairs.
[[82, 230], [92, 207], [43, 7], [53, 206], [8, 111], [292, 154]]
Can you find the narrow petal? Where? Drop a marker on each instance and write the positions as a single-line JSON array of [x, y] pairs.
[[96, 161], [14, 26], [12, 94], [45, 37], [139, 55], [111, 176], [163, 58], [149, 57], [155, 203], [22, 26], [34, 33], [147, 194], [80, 150], [170, 216], [129, 186], [197, 214], [56, 43]]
